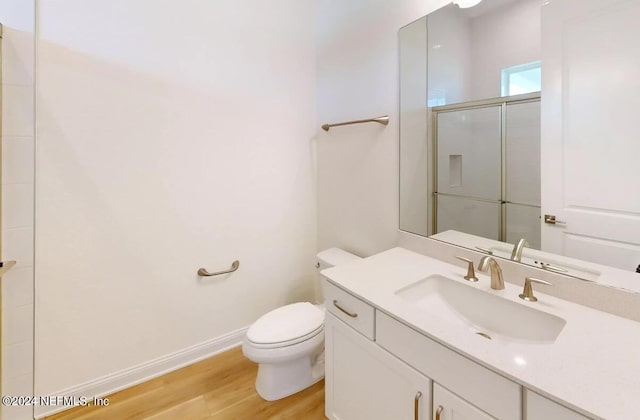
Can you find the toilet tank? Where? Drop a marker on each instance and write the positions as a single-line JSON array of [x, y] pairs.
[[326, 259], [333, 257]]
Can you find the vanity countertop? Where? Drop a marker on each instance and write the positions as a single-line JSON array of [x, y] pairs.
[[592, 367]]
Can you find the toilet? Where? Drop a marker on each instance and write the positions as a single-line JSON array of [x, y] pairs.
[[288, 342]]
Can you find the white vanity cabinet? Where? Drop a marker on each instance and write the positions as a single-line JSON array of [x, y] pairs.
[[490, 392], [380, 368], [365, 382]]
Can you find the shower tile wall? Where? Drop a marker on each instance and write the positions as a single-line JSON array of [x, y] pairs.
[[17, 17]]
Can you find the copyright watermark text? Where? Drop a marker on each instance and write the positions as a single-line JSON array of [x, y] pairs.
[[52, 401]]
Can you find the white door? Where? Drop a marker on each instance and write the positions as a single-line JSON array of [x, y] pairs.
[[365, 382], [448, 406], [590, 146]]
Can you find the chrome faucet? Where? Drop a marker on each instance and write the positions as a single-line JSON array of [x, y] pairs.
[[516, 254], [497, 282]]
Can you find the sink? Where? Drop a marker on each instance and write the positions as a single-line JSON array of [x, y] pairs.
[[481, 312]]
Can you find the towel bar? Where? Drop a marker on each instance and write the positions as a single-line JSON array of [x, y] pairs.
[[384, 120]]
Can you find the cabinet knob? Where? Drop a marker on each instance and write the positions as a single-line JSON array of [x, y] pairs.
[[439, 412]]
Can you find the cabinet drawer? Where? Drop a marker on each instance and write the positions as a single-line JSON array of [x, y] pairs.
[[483, 388], [540, 408], [349, 309]]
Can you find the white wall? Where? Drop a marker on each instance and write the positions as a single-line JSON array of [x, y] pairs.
[[357, 71], [450, 70], [17, 17], [168, 141], [505, 37], [468, 48]]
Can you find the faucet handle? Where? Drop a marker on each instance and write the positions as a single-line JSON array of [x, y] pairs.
[[485, 250], [527, 293], [471, 273]]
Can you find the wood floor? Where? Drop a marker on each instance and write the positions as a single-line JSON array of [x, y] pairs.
[[217, 388]]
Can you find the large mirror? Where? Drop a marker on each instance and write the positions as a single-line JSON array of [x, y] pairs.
[[518, 134]]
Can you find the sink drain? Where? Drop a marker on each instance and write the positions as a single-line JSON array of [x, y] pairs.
[[487, 336]]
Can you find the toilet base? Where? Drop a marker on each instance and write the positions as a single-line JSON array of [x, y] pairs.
[[279, 380]]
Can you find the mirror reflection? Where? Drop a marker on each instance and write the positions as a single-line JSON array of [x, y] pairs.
[[526, 149]]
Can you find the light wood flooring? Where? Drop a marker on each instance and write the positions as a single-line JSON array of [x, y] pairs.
[[221, 387]]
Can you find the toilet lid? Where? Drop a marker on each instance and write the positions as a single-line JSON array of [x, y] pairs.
[[286, 323]]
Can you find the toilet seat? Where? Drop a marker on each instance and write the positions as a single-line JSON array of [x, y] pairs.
[[297, 340], [287, 325]]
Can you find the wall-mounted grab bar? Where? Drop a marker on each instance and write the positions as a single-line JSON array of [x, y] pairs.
[[204, 273], [384, 120]]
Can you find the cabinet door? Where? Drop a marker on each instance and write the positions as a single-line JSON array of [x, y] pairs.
[[366, 382], [448, 406]]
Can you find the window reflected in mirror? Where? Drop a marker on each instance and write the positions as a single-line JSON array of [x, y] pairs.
[[521, 79]]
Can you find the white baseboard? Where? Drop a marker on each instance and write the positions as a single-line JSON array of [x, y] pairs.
[[114, 382]]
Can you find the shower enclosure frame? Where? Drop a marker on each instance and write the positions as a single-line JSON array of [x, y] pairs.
[[501, 102]]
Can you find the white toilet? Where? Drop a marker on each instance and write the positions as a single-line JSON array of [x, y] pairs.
[[288, 342]]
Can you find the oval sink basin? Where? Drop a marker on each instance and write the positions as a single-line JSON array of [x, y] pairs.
[[484, 313]]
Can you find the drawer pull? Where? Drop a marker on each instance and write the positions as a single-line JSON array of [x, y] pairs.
[[416, 406], [351, 314], [439, 412]]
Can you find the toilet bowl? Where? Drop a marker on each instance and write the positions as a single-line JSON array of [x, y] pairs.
[[288, 342]]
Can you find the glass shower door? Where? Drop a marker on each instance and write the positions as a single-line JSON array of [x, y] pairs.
[[522, 195], [469, 171]]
